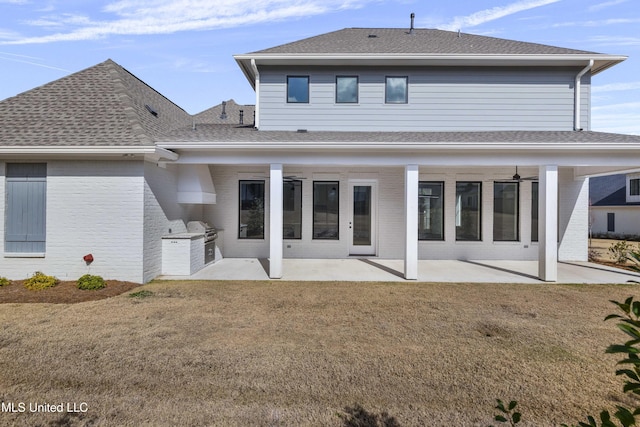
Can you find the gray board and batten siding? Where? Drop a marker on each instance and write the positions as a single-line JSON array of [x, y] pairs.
[[439, 99], [25, 226]]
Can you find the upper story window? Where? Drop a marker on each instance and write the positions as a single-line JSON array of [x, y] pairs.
[[634, 187], [346, 90], [396, 90], [298, 89]]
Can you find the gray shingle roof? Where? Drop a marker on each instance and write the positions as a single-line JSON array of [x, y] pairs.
[[232, 109], [103, 105], [609, 191], [420, 41], [235, 134]]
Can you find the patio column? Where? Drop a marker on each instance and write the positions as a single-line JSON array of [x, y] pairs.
[[548, 224], [275, 221], [411, 222]]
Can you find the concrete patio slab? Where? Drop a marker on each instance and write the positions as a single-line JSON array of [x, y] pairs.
[[380, 270]]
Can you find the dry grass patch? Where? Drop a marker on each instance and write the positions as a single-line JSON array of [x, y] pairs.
[[326, 353]]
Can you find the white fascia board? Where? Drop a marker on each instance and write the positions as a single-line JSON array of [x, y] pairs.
[[19, 150], [392, 146], [602, 61]]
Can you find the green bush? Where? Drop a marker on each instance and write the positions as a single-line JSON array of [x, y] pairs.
[[40, 281], [620, 251], [4, 281], [90, 283], [634, 257]]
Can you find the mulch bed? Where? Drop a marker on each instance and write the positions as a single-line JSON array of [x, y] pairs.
[[63, 293]]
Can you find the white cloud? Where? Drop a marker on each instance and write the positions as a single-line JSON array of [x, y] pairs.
[[600, 6], [615, 41], [605, 22], [615, 87], [143, 17], [19, 58], [487, 15]]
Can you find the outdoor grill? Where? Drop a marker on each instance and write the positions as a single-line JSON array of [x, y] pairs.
[[210, 236]]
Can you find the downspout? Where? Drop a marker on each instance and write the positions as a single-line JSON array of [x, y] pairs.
[[576, 102], [257, 108]]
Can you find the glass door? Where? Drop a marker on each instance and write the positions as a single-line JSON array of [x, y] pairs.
[[362, 217]]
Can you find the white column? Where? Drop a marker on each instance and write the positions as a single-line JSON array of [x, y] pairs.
[[548, 224], [275, 221], [411, 222]]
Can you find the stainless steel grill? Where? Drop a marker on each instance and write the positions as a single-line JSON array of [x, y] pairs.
[[210, 236]]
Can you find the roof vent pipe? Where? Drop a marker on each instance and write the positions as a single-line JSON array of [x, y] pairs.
[[223, 116], [413, 15], [576, 103]]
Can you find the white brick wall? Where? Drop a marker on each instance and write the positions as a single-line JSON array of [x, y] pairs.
[[162, 214], [627, 219], [92, 207], [573, 217], [118, 211]]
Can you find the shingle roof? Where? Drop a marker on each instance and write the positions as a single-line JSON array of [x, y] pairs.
[[236, 134], [609, 191], [103, 105], [232, 109], [419, 41]]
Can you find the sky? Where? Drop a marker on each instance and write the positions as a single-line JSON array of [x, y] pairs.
[[184, 48]]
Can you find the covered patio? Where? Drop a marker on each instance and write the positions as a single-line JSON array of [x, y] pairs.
[[384, 270]]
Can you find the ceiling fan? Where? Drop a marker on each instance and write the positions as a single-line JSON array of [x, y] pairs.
[[517, 177]]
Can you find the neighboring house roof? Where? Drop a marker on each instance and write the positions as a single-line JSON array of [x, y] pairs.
[[231, 109], [609, 191], [104, 105], [418, 41]]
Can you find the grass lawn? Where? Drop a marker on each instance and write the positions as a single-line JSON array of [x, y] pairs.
[[320, 354]]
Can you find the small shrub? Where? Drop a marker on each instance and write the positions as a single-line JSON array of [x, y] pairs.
[[634, 257], [4, 281], [141, 294], [40, 281], [90, 283], [620, 251]]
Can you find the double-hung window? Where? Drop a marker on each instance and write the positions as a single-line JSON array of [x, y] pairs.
[[251, 225], [468, 211], [396, 90], [506, 227], [326, 210], [534, 211], [292, 209], [634, 187], [346, 90], [25, 221], [430, 210], [298, 89]]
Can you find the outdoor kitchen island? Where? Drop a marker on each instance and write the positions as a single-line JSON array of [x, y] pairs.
[[183, 254]]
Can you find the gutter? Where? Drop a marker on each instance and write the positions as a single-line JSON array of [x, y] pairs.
[[576, 88], [70, 150], [392, 146], [257, 89]]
